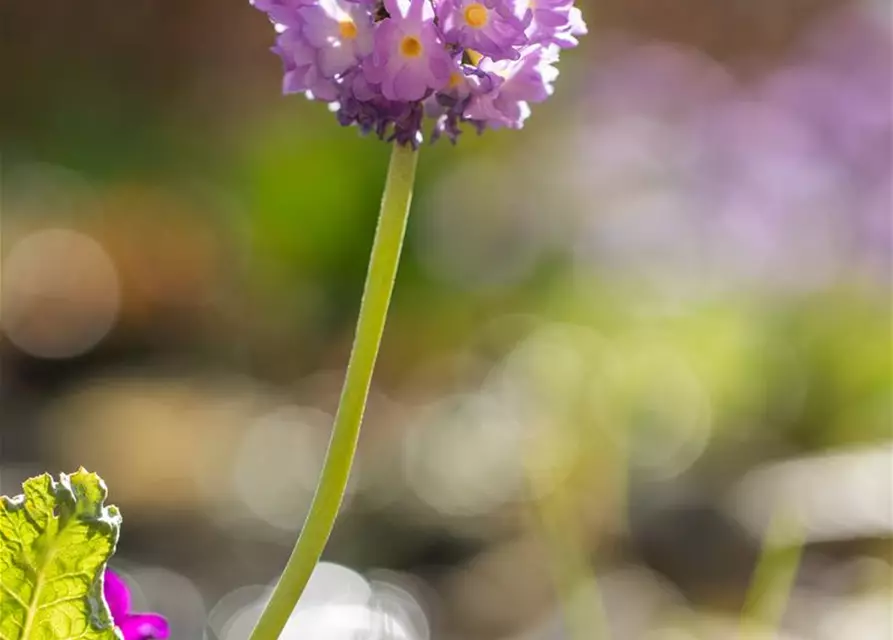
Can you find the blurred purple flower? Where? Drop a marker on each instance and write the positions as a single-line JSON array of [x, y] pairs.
[[134, 626], [703, 182]]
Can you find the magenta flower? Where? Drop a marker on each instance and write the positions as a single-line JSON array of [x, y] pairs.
[[387, 65], [133, 626]]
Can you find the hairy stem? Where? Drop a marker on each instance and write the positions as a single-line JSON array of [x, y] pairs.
[[345, 432]]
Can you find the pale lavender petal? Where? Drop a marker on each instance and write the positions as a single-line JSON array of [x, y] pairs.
[[409, 84]]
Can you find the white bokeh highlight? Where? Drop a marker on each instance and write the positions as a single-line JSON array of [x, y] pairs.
[[338, 604]]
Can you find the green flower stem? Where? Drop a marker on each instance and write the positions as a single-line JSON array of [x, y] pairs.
[[345, 432]]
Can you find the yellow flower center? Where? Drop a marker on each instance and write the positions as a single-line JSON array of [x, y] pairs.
[[476, 15], [347, 29], [411, 47], [455, 79]]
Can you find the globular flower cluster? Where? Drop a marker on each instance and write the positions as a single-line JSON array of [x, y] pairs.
[[387, 65]]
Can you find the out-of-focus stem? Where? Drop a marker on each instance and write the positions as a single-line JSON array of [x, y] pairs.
[[561, 530], [775, 575]]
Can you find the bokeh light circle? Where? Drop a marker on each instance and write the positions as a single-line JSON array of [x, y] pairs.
[[463, 456], [278, 462], [60, 294]]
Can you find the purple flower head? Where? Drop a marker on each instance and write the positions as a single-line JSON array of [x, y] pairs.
[[516, 84], [387, 65], [488, 27], [409, 60], [133, 626]]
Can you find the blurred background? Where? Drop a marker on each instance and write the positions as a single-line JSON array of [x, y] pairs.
[[626, 342]]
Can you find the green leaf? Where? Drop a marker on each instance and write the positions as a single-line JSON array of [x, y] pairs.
[[54, 543]]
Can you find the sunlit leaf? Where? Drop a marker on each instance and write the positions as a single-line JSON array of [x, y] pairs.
[[55, 541]]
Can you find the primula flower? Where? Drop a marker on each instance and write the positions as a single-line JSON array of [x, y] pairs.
[[134, 626], [302, 70], [409, 60], [340, 32], [386, 65], [488, 27], [517, 83], [556, 22]]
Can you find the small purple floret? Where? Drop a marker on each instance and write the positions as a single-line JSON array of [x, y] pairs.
[[517, 84], [302, 71], [282, 12], [409, 60], [339, 32], [556, 22], [487, 26]]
